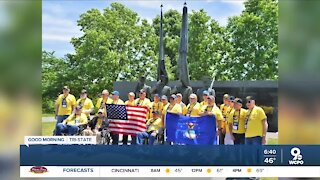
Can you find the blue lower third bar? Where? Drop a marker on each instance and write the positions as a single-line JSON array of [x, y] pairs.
[[166, 155]]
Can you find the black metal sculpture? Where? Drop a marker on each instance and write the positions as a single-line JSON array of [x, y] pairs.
[[184, 88], [142, 85], [161, 87]]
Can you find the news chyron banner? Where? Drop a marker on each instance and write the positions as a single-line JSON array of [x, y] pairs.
[[71, 156]]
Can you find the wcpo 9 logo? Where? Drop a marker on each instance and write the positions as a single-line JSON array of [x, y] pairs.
[[297, 157]]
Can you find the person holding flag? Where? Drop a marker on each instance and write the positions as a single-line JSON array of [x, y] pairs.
[[193, 108], [130, 101]]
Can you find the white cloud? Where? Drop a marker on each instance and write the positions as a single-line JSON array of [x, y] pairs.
[[55, 28]]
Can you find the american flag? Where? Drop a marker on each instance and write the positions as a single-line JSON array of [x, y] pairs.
[[127, 120]]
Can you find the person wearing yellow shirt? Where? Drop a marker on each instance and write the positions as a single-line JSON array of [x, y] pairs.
[[72, 123], [228, 136], [183, 106], [64, 105], [142, 100], [212, 109], [224, 109], [256, 124], [164, 100], [193, 108], [156, 105], [105, 99], [153, 126], [236, 121], [172, 107], [205, 95], [116, 100], [96, 125], [130, 101], [85, 103]]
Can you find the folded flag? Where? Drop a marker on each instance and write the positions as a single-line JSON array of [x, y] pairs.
[[127, 120], [190, 130]]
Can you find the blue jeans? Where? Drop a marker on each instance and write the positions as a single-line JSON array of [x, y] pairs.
[[69, 129], [254, 140], [142, 135], [60, 119]]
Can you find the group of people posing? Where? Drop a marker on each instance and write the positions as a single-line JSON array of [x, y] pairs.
[[235, 124]]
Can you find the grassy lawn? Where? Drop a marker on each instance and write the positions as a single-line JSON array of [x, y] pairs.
[[272, 141], [48, 115], [47, 128]]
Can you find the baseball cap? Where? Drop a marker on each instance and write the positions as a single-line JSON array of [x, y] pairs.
[[250, 98], [105, 92], [78, 108], [83, 91], [173, 96], [179, 94], [155, 112], [193, 96], [131, 94], [156, 95], [226, 96], [238, 100], [205, 93], [232, 98], [142, 91], [115, 93], [164, 97], [66, 87], [211, 97], [100, 111]]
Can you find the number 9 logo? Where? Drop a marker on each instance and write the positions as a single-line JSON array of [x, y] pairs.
[[295, 152]]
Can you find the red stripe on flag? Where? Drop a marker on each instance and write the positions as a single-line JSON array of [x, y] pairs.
[[136, 121]]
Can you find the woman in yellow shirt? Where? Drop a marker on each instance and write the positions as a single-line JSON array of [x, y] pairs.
[[194, 108]]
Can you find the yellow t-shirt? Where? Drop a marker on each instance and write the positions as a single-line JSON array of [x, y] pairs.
[[175, 109], [184, 108], [226, 110], [99, 123], [215, 111], [86, 105], [65, 104], [155, 106], [154, 124], [203, 103], [119, 102], [193, 109], [100, 101], [130, 103], [237, 118], [145, 102], [76, 119], [254, 123]]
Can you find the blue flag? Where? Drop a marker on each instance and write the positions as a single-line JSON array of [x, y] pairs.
[[190, 130]]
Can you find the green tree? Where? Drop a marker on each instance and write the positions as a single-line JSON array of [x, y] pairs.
[[116, 45], [54, 75], [254, 39]]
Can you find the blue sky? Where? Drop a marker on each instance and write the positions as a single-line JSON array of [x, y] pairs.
[[59, 17]]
